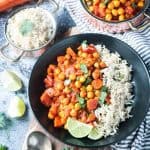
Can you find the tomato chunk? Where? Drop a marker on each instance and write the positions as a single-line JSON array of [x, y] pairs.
[[92, 104], [45, 99]]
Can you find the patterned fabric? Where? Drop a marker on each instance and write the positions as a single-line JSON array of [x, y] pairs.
[[140, 41]]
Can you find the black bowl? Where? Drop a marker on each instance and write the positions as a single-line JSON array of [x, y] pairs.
[[140, 78]]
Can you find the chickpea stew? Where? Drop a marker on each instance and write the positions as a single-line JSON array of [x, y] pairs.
[[114, 10], [74, 87]]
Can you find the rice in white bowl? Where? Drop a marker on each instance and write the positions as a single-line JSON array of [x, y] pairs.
[[30, 28], [117, 78]]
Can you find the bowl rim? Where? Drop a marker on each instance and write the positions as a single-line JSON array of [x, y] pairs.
[[147, 2], [90, 146], [54, 25]]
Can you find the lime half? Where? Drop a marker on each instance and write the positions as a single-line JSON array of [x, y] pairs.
[[10, 81], [16, 107], [95, 134], [78, 129]]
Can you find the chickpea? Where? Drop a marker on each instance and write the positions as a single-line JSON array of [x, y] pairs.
[[66, 90], [140, 4], [83, 88], [111, 6], [96, 65], [57, 71], [91, 8], [61, 114], [77, 106], [122, 1], [67, 56], [72, 76], [78, 84], [121, 17], [128, 3], [82, 79], [66, 62], [96, 74], [83, 93], [65, 101], [95, 2], [71, 106], [115, 12], [95, 55], [61, 76], [77, 66], [73, 113], [116, 3], [108, 17], [97, 93], [84, 55], [120, 11], [79, 53], [102, 5], [60, 86], [108, 11], [90, 95], [89, 88]]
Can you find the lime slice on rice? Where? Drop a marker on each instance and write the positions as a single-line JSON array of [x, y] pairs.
[[10, 81], [95, 134], [16, 107], [78, 129]]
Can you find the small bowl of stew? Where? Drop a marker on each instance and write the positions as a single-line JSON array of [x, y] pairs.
[[118, 15]]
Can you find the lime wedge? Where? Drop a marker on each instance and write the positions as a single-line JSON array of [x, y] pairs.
[[16, 107], [95, 134], [10, 81], [78, 129]]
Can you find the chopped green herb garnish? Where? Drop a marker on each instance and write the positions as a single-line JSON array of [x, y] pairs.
[[84, 44], [83, 67], [104, 89], [134, 5], [81, 101], [3, 147], [103, 97], [106, 2], [4, 121], [104, 93], [88, 81], [26, 27], [67, 148], [121, 76]]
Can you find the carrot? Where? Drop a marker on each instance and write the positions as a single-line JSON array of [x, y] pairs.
[[91, 117], [50, 69], [58, 122], [102, 65], [7, 4], [60, 59], [51, 115], [45, 99], [48, 82], [97, 84], [92, 104], [53, 109], [71, 52]]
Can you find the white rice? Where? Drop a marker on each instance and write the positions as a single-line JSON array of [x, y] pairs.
[[117, 78], [41, 30]]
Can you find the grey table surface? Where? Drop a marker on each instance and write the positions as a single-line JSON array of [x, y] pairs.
[[14, 136]]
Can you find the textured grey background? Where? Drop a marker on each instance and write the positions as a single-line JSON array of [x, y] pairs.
[[16, 132]]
